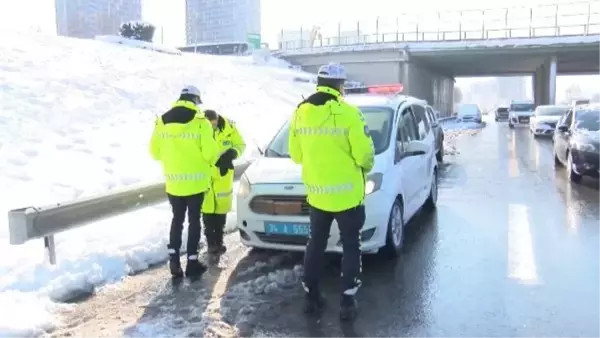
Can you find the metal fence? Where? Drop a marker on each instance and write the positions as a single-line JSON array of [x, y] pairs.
[[566, 19], [43, 222]]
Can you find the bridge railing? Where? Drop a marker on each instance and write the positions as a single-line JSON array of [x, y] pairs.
[[582, 18]]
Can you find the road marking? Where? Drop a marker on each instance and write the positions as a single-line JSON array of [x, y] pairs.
[[513, 165], [521, 259]]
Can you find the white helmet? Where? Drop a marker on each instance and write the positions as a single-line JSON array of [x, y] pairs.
[[332, 71], [191, 90]]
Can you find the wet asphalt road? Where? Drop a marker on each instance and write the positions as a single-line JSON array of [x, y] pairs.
[[512, 250]]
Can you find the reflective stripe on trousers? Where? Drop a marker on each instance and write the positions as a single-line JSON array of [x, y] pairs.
[[329, 189], [185, 177], [322, 131]]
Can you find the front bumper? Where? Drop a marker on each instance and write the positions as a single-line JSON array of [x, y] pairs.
[[586, 163], [519, 120], [251, 227], [543, 129]]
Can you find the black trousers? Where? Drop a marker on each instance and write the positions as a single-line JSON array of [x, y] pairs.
[[180, 205], [214, 227], [349, 222]]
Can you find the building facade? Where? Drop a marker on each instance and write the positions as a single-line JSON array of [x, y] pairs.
[[88, 18], [221, 20]]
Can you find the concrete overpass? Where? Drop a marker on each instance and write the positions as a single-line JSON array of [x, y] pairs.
[[425, 68], [428, 68]]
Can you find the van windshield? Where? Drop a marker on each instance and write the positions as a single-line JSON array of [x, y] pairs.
[[379, 120], [522, 107]]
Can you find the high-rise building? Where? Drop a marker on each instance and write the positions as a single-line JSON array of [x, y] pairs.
[[221, 20], [88, 18]]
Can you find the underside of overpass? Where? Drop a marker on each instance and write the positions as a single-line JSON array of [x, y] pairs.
[[429, 73]]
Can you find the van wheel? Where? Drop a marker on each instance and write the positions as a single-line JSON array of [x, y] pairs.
[[394, 239], [439, 156], [511, 126], [431, 201]]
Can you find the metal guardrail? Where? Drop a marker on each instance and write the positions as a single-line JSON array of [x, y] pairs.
[[30, 223], [509, 23]]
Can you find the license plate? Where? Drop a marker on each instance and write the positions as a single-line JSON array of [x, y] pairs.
[[523, 119], [290, 229]]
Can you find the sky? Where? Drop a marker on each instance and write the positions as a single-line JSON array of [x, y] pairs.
[[276, 14]]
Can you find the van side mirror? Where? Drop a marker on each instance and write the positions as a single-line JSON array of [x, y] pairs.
[[563, 128]]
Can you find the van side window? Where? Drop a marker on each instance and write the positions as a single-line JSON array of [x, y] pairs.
[[421, 121]]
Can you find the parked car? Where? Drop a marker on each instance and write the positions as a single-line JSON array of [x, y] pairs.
[[501, 114], [576, 142], [272, 211], [579, 102], [438, 132], [469, 112], [519, 113], [544, 119]]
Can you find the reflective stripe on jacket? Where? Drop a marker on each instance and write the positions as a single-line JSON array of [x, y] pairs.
[[330, 139], [219, 198], [185, 149]]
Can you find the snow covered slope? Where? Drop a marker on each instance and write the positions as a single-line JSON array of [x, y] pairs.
[[75, 119]]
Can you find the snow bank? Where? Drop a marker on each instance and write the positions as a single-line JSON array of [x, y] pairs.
[[75, 119], [137, 44], [453, 130]]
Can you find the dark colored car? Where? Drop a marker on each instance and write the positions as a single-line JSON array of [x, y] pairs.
[[438, 132], [576, 142], [501, 114]]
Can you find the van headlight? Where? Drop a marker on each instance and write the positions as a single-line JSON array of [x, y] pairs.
[[373, 183], [244, 188]]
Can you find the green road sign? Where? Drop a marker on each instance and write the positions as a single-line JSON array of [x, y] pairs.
[[253, 40]]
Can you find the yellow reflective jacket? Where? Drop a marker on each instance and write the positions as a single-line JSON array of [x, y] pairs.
[[183, 142], [331, 141], [219, 197]]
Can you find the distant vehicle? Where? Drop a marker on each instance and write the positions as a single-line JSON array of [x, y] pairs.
[[501, 114], [519, 113], [576, 142], [469, 112], [579, 102], [218, 48], [438, 132], [272, 209], [544, 119]]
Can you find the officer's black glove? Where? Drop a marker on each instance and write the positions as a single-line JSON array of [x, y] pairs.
[[225, 162]]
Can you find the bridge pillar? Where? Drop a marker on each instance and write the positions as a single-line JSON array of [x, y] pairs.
[[544, 82]]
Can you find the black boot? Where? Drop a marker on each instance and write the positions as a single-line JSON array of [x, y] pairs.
[[348, 307], [194, 268], [314, 301], [175, 266]]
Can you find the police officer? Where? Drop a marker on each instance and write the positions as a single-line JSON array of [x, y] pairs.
[[330, 139], [183, 142], [218, 199]]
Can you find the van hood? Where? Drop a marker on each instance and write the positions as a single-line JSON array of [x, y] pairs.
[[274, 170], [544, 119]]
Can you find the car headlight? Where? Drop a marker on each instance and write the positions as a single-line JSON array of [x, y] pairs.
[[584, 147], [244, 188], [373, 183]]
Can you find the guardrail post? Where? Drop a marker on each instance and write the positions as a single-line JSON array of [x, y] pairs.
[[556, 28], [483, 32], [586, 31], [397, 29], [506, 29], [531, 22], [50, 248], [438, 25], [377, 30], [460, 25]]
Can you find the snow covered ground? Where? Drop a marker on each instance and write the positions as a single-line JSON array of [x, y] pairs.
[[75, 119]]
